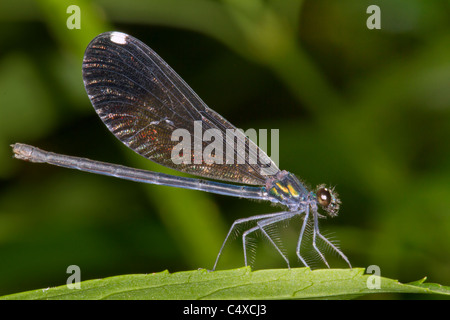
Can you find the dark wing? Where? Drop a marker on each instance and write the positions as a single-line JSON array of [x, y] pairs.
[[143, 101]]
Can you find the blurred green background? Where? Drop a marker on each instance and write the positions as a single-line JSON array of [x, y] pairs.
[[365, 110]]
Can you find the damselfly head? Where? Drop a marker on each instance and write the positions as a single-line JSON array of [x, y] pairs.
[[328, 200]]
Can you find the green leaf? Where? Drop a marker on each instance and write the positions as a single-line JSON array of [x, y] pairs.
[[242, 283]]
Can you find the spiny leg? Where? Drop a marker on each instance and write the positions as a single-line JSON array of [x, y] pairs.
[[264, 223], [315, 232], [238, 222], [299, 243], [317, 249], [334, 248], [244, 242]]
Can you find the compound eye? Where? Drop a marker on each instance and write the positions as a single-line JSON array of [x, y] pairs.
[[324, 197]]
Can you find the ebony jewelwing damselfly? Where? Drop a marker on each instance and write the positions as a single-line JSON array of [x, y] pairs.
[[143, 102]]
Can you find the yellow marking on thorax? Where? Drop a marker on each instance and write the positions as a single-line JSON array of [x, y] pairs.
[[282, 187], [292, 191]]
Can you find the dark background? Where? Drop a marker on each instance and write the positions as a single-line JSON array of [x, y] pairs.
[[365, 110]]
